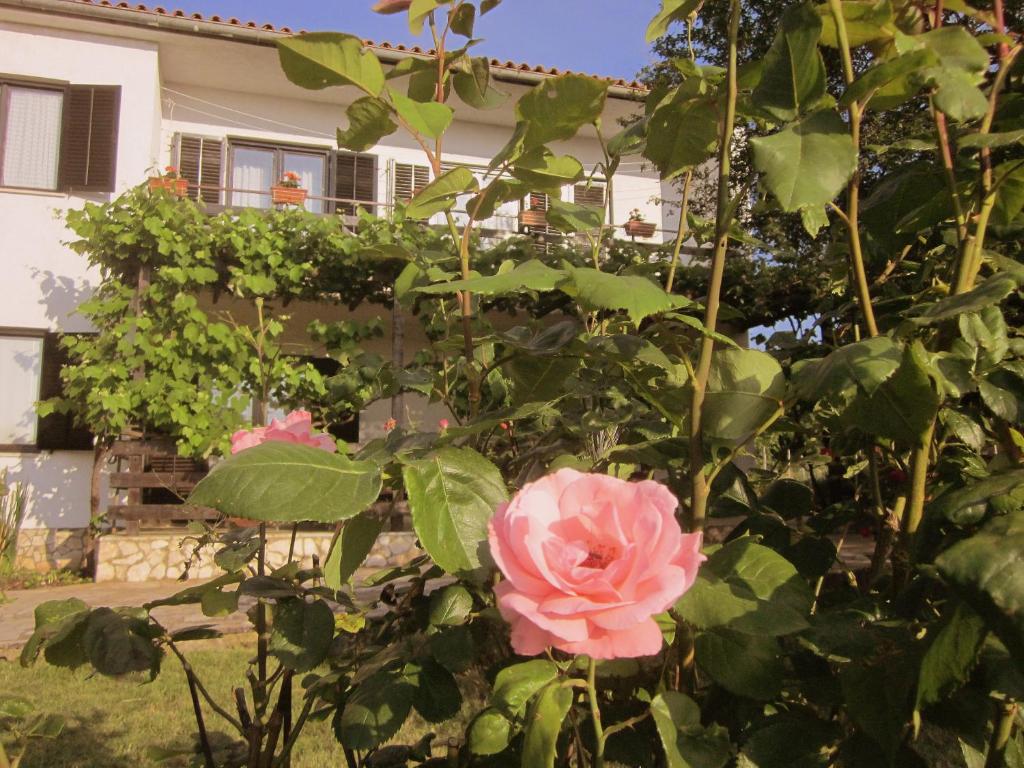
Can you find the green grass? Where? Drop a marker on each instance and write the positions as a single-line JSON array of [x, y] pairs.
[[110, 723]]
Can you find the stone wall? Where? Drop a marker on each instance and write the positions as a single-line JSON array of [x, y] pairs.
[[50, 549], [159, 555]]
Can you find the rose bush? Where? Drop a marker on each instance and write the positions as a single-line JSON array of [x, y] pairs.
[[297, 427], [588, 561]]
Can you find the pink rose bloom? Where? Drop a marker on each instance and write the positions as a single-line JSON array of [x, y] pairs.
[[589, 560], [296, 428]]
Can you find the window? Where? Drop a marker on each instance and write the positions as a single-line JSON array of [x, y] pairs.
[[200, 163], [58, 137], [256, 168], [589, 194], [355, 179], [409, 179]]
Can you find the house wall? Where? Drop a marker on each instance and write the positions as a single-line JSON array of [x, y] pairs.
[[174, 83]]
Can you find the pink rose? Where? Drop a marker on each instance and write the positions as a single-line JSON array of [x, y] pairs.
[[392, 6], [588, 561], [296, 428]]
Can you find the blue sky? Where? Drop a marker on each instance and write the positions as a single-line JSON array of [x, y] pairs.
[[602, 37]]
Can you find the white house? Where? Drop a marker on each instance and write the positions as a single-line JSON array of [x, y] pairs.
[[95, 96]]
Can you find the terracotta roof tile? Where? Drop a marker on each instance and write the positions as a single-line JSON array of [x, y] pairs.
[[234, 22]]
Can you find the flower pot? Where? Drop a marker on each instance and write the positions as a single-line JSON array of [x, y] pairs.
[[533, 218], [177, 187], [288, 195], [639, 228]]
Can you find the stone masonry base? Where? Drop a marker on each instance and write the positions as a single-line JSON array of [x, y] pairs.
[[162, 555], [50, 549]]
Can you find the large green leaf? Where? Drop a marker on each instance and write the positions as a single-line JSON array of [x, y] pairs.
[[749, 588], [681, 135], [442, 193], [866, 21], [287, 482], [790, 741], [540, 378], [793, 74], [572, 217], [747, 665], [543, 725], [879, 699], [437, 696], [375, 712], [957, 94], [671, 10], [957, 47], [864, 365], [951, 655], [515, 685], [425, 117], [350, 548], [991, 291], [543, 171], [745, 388], [114, 648], [557, 108], [302, 633], [452, 496], [532, 275], [686, 742], [419, 10], [897, 80], [986, 570], [57, 623], [473, 85], [321, 59], [369, 121], [637, 296], [808, 162]]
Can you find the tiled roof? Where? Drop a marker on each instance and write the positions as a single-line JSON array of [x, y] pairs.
[[231, 21]]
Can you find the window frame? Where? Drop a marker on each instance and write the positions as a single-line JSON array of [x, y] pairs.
[[279, 148], [27, 333], [6, 83]]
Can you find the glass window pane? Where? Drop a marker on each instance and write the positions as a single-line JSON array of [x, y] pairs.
[[21, 360], [252, 171], [311, 172], [32, 138]]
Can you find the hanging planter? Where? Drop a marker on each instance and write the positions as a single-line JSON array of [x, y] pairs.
[[637, 228], [533, 218], [287, 191], [169, 182]]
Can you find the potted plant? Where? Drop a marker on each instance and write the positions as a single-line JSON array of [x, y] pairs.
[[170, 180], [637, 227], [287, 191]]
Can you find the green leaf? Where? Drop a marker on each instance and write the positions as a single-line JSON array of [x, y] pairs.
[[878, 699], [543, 171], [986, 571], [216, 602], [543, 725], [531, 275], [427, 118], [369, 121], [236, 555], [747, 665], [571, 217], [953, 505], [637, 296], [452, 496], [302, 634], [863, 365], [956, 47], [991, 140], [789, 498], [808, 162], [681, 135], [437, 696], [748, 588], [453, 648], [354, 543], [957, 94], [288, 482], [515, 685], [59, 625], [950, 657], [686, 742], [557, 108], [450, 606], [893, 78], [991, 291], [463, 20], [539, 379], [420, 10], [671, 10], [793, 73], [322, 59], [442, 193], [1010, 192], [866, 21], [745, 388], [474, 85], [499, 191], [375, 712], [114, 649], [489, 733], [790, 741]]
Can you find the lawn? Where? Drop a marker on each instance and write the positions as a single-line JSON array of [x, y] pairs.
[[111, 723]]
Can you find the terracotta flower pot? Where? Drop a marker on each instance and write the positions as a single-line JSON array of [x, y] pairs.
[[533, 218], [639, 228], [288, 195], [177, 187]]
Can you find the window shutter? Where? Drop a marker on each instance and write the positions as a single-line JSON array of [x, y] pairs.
[[409, 179], [200, 162], [57, 432], [592, 195], [355, 178], [88, 159]]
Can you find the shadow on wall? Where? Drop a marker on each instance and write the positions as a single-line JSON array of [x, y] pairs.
[[62, 296]]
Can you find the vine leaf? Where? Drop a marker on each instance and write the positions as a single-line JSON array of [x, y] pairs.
[[793, 75], [318, 60]]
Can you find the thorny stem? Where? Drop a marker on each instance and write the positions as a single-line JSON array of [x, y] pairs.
[[197, 707], [853, 187], [1001, 735], [681, 233], [700, 486], [286, 751], [237, 725], [919, 465], [595, 714]]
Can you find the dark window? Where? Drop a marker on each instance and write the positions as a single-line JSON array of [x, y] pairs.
[[88, 159], [57, 432], [355, 182], [409, 179], [200, 161]]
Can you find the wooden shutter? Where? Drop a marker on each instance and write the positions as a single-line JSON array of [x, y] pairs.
[[57, 432], [355, 178], [88, 157], [592, 195], [200, 161], [409, 179]]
